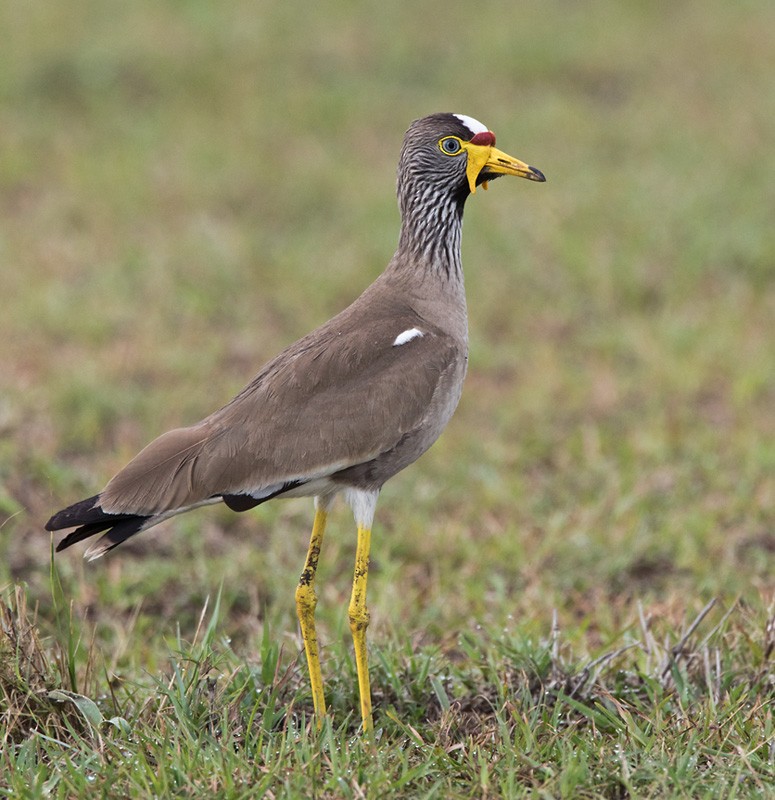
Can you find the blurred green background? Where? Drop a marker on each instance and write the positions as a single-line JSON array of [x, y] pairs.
[[186, 187]]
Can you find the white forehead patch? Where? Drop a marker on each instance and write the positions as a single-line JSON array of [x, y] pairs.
[[472, 124], [407, 336]]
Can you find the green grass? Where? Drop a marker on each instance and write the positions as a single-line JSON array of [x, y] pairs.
[[187, 187]]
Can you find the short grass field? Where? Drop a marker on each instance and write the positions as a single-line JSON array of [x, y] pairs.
[[573, 592]]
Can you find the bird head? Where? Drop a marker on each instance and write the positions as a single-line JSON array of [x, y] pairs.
[[456, 153]]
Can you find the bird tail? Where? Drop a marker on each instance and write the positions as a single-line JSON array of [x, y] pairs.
[[157, 484], [91, 519], [166, 478]]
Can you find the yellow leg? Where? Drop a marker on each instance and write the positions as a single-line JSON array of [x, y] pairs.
[[359, 621], [306, 600]]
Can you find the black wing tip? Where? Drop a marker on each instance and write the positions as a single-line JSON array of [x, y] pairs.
[[83, 512], [119, 529], [90, 519], [66, 542]]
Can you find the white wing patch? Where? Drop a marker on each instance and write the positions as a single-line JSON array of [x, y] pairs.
[[407, 336], [472, 124]]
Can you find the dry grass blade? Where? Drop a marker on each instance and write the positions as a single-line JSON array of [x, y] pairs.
[[679, 648], [30, 678], [769, 637]]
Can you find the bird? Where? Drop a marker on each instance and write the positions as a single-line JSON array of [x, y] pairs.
[[344, 408]]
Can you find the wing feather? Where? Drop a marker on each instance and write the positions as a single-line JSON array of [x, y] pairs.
[[337, 398]]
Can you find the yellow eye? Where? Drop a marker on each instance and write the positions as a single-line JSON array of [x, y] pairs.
[[450, 145]]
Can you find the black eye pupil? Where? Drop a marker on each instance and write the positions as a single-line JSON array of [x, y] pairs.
[[451, 146]]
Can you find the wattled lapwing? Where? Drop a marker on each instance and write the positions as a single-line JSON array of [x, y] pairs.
[[341, 410]]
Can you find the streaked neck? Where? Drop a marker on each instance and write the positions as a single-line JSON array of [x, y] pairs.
[[431, 226]]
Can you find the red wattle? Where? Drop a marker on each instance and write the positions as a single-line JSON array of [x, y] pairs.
[[485, 138]]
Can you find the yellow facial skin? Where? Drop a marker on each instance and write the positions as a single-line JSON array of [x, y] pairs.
[[485, 157]]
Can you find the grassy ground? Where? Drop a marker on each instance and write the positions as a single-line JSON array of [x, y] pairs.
[[572, 593]]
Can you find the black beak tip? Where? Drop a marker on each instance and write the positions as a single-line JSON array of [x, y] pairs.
[[537, 175]]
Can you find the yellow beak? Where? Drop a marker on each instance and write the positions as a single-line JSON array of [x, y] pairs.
[[489, 159]]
